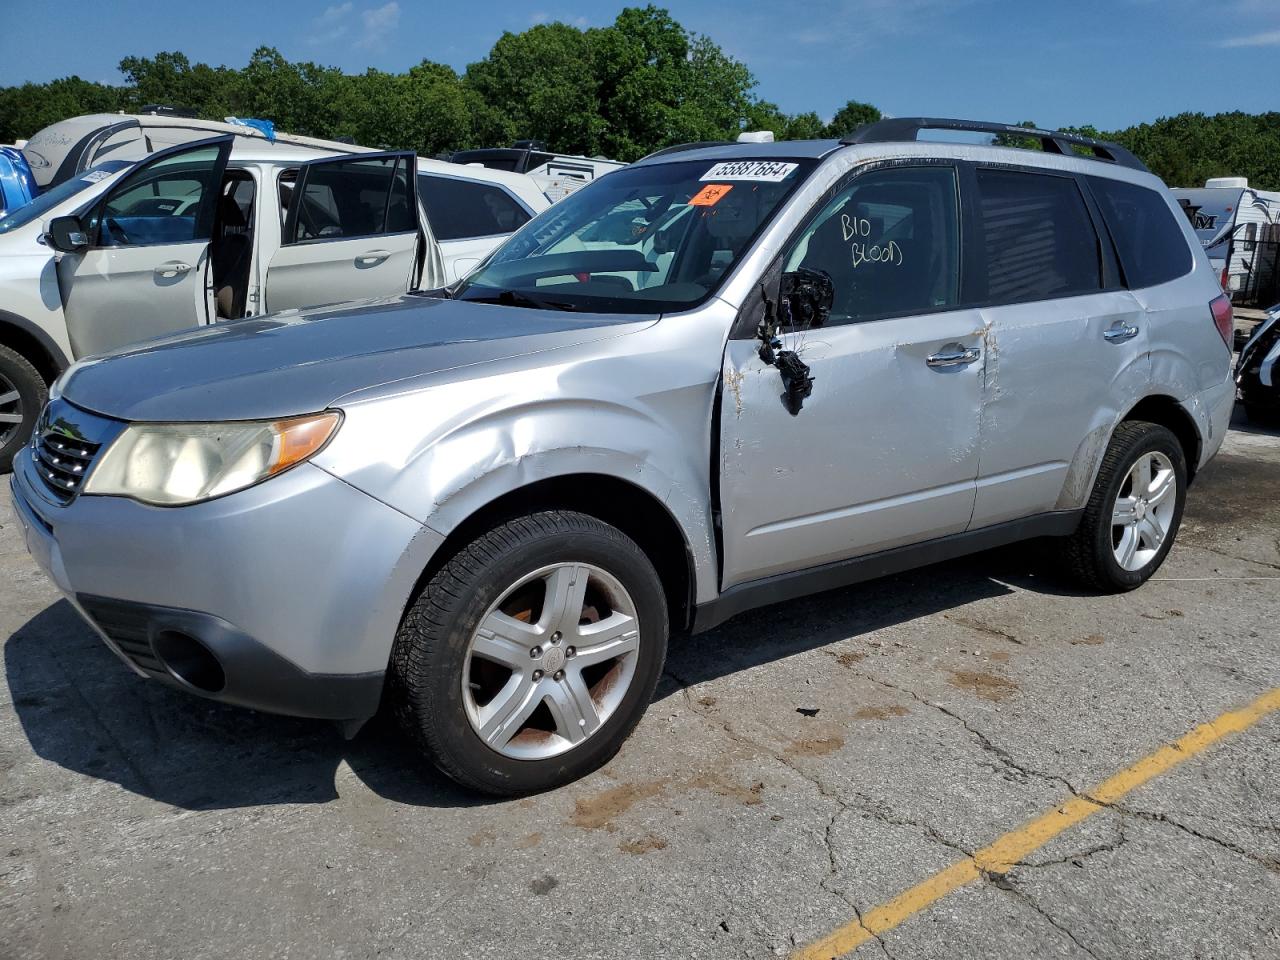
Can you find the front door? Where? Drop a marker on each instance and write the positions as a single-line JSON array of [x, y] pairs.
[[351, 232], [143, 274], [884, 451]]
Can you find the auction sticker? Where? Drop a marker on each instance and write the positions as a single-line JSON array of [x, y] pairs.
[[770, 171], [710, 195]]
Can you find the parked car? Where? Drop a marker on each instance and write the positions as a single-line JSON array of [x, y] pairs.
[[17, 185], [719, 378], [556, 174], [1256, 373], [132, 250]]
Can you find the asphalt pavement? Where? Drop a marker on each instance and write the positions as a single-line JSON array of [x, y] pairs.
[[969, 760]]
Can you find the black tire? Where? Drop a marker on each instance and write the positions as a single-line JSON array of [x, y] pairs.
[[425, 677], [18, 375], [1090, 551]]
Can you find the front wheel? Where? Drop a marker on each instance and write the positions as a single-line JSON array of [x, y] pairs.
[[22, 395], [1134, 511], [529, 657]]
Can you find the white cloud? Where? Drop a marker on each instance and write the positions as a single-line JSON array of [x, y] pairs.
[[539, 17], [378, 24], [331, 25], [1268, 38]]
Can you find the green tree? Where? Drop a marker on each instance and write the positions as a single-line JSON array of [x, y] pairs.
[[850, 117]]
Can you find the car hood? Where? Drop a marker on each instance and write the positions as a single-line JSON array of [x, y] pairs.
[[303, 361]]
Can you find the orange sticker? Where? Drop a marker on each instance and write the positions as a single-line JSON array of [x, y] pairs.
[[710, 195]]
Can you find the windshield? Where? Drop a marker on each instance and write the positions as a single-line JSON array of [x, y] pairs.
[[646, 239], [68, 188]]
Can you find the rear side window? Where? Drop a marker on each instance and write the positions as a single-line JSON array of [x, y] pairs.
[[1039, 240], [1148, 238], [353, 198], [462, 209]]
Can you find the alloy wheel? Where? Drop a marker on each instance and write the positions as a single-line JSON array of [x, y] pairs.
[[10, 410], [551, 661], [1144, 510]]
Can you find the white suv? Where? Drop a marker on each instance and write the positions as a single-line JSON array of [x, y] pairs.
[[208, 231]]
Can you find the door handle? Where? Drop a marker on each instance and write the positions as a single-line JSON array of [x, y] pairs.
[[1119, 332], [372, 257], [953, 355], [172, 268]]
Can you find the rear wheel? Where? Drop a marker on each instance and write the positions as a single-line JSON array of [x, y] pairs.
[[1134, 511], [531, 654], [22, 395]]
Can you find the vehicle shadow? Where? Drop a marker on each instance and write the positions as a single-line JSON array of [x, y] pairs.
[[83, 710]]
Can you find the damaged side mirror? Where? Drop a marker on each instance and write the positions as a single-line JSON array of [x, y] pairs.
[[67, 234], [807, 297], [805, 300]]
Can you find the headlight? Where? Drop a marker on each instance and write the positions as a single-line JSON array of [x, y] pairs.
[[176, 463]]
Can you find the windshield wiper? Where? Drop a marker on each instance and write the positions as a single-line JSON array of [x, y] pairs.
[[516, 298]]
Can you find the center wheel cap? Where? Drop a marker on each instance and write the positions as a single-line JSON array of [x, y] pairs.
[[553, 660]]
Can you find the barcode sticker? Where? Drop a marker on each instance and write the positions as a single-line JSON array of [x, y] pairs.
[[770, 171]]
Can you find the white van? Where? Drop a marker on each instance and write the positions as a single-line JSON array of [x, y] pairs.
[[221, 229], [1229, 218]]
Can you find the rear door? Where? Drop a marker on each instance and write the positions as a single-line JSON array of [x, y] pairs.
[[468, 218], [144, 273], [351, 231], [1067, 345]]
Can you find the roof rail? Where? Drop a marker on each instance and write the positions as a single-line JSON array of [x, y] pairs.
[[680, 147], [1052, 141]]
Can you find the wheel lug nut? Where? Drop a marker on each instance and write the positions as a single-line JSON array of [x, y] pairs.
[[536, 652], [570, 652], [558, 675], [555, 637], [537, 675]]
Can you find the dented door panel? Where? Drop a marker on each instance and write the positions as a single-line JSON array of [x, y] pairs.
[[883, 453], [1059, 375]]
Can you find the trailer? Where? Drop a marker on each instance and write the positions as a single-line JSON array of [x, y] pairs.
[[1239, 227]]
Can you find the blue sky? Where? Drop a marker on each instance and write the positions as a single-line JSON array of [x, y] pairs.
[[1107, 62]]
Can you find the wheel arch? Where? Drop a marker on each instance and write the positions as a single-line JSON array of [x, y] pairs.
[[622, 504], [1169, 413], [24, 337]]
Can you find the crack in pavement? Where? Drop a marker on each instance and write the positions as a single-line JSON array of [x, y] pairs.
[[1003, 882], [1153, 816]]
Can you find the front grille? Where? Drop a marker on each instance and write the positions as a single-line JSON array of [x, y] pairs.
[[63, 462], [66, 442], [127, 626]]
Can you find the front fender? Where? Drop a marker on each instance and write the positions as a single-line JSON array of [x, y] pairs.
[[485, 439]]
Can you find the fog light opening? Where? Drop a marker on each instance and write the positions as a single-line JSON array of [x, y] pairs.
[[189, 660]]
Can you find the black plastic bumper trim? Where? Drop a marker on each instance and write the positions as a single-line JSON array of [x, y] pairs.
[[830, 576], [256, 676]]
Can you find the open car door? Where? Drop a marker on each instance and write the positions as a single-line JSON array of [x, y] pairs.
[[143, 273], [351, 231]]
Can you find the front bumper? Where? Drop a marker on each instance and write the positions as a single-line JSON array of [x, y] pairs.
[[294, 587]]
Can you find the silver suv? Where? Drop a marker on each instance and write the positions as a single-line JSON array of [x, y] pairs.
[[721, 377]]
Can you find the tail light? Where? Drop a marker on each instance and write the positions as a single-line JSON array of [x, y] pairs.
[[1225, 278], [1223, 318]]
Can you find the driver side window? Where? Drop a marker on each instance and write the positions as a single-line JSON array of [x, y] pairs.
[[890, 242], [161, 203]]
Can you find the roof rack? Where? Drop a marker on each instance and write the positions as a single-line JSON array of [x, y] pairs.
[[1052, 141]]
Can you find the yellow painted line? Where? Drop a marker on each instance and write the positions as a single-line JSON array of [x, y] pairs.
[[999, 857]]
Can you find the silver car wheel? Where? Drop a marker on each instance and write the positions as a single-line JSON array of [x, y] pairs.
[[1144, 510], [551, 661], [10, 410]]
